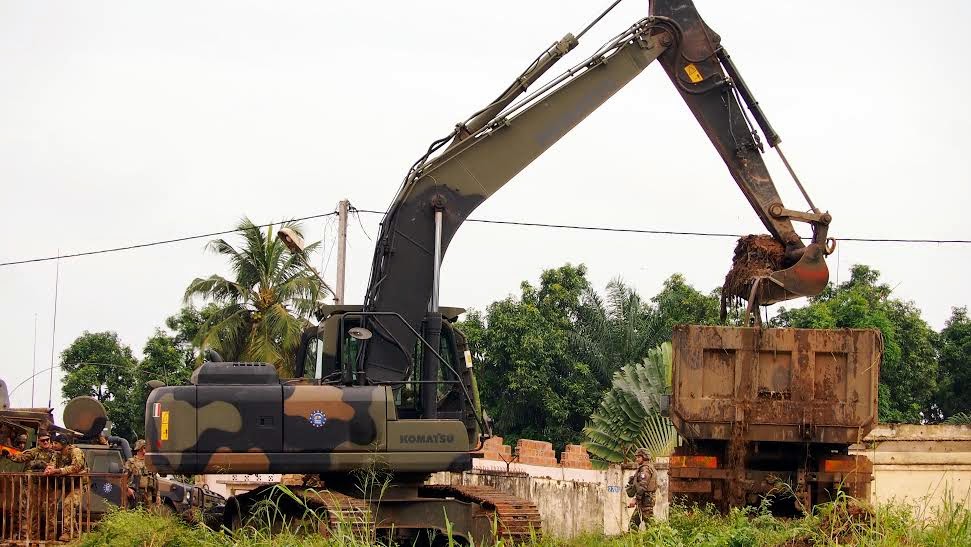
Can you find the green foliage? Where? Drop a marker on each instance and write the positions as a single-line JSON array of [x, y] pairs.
[[530, 381], [99, 365], [679, 303], [842, 522], [909, 367], [954, 372], [262, 310], [613, 331], [961, 418], [629, 415], [139, 527], [187, 324], [546, 358]]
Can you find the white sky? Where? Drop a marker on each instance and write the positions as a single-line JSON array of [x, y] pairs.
[[125, 122]]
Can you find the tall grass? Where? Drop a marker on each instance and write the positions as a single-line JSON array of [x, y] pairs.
[[841, 522]]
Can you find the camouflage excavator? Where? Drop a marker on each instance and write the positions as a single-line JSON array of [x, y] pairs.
[[393, 387]]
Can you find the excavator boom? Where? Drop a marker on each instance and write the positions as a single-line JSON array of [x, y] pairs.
[[440, 192]]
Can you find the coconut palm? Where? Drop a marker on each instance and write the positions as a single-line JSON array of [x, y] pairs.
[[629, 416], [265, 306]]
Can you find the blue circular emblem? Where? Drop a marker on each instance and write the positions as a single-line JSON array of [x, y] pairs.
[[317, 418], [106, 487]]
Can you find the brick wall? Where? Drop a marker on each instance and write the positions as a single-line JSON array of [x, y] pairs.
[[532, 452], [575, 456], [494, 449]]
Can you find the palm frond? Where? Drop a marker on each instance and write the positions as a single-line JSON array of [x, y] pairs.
[[629, 415], [961, 418]]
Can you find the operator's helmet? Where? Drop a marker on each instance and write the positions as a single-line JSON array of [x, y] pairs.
[[22, 438], [644, 453], [139, 444], [61, 438]]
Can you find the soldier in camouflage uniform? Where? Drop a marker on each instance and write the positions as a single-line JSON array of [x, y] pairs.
[[36, 459], [138, 473], [642, 486], [70, 461]]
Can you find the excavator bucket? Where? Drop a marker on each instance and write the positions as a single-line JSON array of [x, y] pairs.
[[807, 277]]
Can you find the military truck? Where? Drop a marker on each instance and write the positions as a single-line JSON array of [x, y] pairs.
[[772, 412], [107, 456], [85, 419]]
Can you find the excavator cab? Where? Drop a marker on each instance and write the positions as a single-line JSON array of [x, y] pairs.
[[330, 354]]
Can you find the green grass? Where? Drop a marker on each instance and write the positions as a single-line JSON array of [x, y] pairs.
[[843, 522]]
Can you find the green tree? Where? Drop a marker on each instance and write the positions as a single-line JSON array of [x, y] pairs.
[[531, 382], [679, 303], [100, 366], [263, 309], [954, 373], [909, 367], [186, 326], [629, 416]]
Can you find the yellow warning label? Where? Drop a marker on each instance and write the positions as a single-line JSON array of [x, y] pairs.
[[468, 359], [693, 73], [164, 434]]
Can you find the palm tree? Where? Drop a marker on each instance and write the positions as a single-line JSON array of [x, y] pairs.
[[629, 416], [264, 308], [614, 331]]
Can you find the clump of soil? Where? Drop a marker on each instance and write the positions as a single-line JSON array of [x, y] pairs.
[[755, 256]]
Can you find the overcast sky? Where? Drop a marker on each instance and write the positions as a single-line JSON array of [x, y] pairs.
[[128, 122]]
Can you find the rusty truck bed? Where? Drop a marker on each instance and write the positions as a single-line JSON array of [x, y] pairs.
[[788, 385]]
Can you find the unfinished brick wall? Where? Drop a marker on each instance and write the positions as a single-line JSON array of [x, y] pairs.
[[532, 452], [493, 449], [575, 456]]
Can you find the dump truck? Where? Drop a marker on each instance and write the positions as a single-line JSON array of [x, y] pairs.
[[772, 412]]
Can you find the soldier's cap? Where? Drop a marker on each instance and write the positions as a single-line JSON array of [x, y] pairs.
[[61, 438], [644, 453], [22, 437], [139, 444]]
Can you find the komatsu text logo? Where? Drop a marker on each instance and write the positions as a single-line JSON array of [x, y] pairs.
[[437, 438]]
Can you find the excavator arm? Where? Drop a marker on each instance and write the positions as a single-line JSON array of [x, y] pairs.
[[466, 167]]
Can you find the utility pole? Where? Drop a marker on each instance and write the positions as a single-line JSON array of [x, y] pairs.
[[342, 209]]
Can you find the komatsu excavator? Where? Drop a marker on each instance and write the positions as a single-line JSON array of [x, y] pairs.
[[393, 388]]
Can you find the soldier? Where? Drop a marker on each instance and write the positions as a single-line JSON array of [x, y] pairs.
[[40, 453], [37, 459], [21, 442], [642, 486], [138, 473], [70, 461]]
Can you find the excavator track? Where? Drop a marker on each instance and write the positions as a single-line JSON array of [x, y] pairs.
[[516, 518], [344, 513]]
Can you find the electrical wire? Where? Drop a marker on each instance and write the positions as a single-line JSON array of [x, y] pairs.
[[154, 243], [680, 233], [492, 221]]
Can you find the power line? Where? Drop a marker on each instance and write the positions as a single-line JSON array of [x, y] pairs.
[[155, 243], [482, 221], [677, 233]]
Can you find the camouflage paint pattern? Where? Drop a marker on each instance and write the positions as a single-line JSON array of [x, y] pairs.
[[278, 428]]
